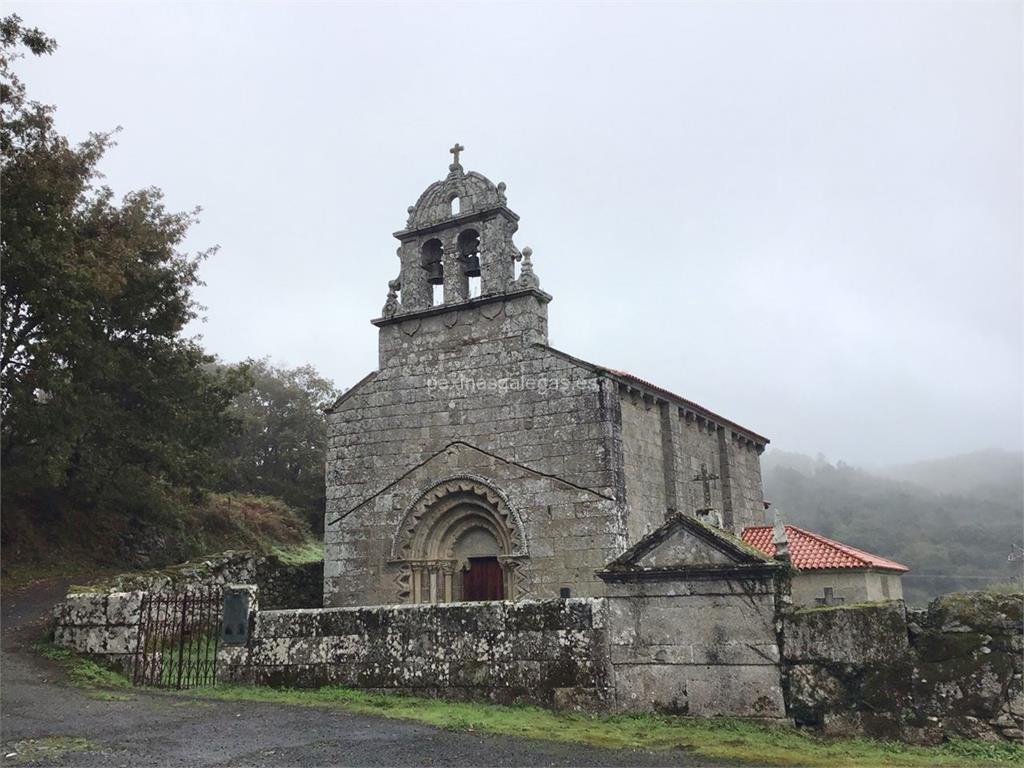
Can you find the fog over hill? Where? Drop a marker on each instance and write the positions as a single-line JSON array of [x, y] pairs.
[[954, 521]]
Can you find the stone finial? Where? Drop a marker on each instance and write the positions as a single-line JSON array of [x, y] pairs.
[[710, 516], [391, 306], [779, 538], [456, 166], [501, 191], [527, 278]]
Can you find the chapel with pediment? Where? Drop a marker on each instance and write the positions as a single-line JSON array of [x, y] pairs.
[[477, 462]]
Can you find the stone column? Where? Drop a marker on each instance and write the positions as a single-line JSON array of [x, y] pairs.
[[456, 284], [416, 293], [669, 440]]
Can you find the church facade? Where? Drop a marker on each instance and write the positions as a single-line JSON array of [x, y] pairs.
[[479, 463]]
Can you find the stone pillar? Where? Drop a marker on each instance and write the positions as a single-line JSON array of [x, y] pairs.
[[496, 256], [725, 460], [669, 440], [456, 284], [416, 292]]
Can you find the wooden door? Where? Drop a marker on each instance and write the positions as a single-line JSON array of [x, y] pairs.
[[484, 580]]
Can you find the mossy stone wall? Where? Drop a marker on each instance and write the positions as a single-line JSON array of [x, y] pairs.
[[954, 669]]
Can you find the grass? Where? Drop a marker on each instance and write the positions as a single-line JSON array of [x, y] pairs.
[[300, 554], [83, 671], [194, 659], [725, 739], [46, 748]]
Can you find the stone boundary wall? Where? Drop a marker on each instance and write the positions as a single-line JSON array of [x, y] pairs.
[[100, 623], [954, 669], [550, 653], [281, 584], [103, 620]]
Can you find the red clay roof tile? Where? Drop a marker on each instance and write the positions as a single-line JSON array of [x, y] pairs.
[[812, 551]]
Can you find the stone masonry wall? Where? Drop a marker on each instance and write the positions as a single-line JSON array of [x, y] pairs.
[[698, 647], [952, 670], [663, 450], [644, 469], [100, 623], [281, 585], [544, 652], [551, 441], [104, 619]]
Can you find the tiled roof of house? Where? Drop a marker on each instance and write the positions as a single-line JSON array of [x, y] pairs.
[[811, 551]]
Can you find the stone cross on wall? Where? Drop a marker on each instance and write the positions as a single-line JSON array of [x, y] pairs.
[[455, 151], [705, 478]]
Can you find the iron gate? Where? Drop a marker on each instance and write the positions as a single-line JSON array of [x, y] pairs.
[[179, 633]]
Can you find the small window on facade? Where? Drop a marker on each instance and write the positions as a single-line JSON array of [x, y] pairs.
[[456, 206]]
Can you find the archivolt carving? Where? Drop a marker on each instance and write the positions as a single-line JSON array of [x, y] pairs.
[[433, 521]]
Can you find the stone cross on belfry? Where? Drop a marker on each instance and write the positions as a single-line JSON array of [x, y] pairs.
[[455, 151], [705, 478]]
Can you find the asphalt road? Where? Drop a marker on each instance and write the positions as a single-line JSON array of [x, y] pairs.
[[153, 729]]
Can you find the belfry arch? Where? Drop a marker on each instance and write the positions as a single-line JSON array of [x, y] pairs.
[[459, 540]]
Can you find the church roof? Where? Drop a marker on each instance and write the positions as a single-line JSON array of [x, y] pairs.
[[811, 551], [629, 377]]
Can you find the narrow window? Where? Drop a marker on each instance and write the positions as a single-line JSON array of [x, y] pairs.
[[456, 206]]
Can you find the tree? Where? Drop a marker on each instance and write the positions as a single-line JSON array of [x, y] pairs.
[[103, 400], [278, 449]]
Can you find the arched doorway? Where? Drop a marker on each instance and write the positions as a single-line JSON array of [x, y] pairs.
[[478, 571], [460, 541]]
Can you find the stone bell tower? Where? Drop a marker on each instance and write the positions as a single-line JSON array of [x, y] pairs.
[[458, 236]]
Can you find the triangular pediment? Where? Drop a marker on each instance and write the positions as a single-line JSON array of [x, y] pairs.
[[684, 542]]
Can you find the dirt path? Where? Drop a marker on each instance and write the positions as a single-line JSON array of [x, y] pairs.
[[39, 710]]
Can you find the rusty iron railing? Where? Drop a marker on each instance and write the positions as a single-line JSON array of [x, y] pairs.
[[179, 633]]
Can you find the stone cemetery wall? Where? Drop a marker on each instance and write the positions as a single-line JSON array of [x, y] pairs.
[[875, 669], [103, 619], [281, 585], [544, 652], [100, 623], [703, 647]]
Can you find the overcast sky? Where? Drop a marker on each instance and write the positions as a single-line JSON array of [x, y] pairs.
[[806, 217]]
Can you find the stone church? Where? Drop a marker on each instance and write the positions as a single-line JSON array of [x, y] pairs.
[[480, 463]]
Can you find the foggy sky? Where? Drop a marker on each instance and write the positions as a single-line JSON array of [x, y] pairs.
[[806, 217]]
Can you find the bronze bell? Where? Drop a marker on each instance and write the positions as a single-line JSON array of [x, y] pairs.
[[435, 273], [471, 266]]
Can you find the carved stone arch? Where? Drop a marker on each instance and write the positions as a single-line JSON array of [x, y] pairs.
[[430, 506], [441, 534]]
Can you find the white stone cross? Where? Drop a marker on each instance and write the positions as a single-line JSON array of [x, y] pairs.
[[455, 151]]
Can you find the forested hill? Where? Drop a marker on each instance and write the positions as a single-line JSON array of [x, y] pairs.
[[955, 522]]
